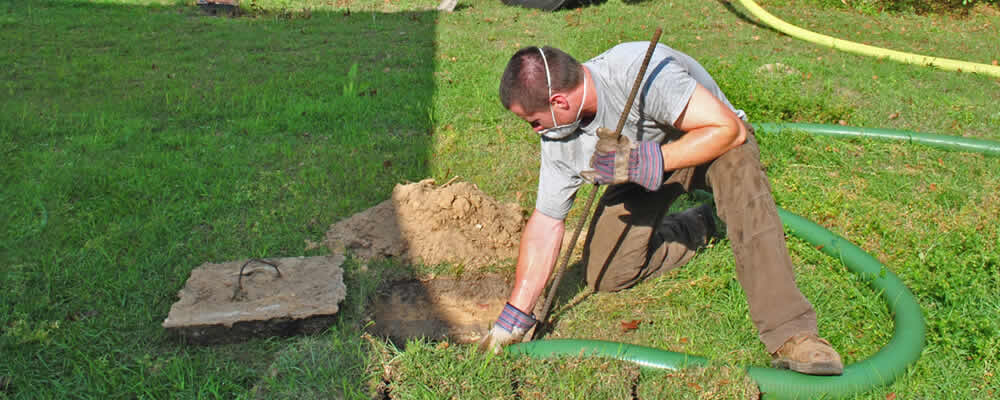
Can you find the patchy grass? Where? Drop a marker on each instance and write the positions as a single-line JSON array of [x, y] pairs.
[[141, 139]]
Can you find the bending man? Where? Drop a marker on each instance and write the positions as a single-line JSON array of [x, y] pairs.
[[683, 135]]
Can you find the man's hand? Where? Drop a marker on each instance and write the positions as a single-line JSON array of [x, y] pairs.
[[616, 161], [509, 328]]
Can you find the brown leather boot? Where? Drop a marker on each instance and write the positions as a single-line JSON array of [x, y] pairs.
[[808, 354]]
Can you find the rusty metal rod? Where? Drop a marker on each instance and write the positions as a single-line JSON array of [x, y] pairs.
[[554, 286]]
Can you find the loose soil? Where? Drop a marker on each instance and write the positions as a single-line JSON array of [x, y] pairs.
[[423, 223], [458, 310], [454, 223]]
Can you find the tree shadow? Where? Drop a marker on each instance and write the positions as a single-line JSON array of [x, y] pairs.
[[150, 139]]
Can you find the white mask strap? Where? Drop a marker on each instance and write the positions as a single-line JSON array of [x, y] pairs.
[[545, 62], [548, 82]]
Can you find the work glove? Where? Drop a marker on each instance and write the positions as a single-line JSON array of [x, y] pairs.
[[509, 328], [616, 160]]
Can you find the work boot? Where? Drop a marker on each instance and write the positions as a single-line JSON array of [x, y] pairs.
[[694, 227], [808, 354]]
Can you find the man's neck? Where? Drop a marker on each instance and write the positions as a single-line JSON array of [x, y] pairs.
[[590, 105]]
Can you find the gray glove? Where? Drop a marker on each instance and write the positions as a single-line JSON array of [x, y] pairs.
[[617, 160]]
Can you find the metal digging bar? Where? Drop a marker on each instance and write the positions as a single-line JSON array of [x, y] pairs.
[[554, 286]]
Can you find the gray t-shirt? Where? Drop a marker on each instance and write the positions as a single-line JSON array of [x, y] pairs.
[[666, 89]]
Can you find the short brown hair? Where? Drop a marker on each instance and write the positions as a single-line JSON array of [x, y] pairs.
[[523, 81]]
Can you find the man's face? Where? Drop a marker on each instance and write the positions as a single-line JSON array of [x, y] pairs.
[[538, 120], [542, 119]]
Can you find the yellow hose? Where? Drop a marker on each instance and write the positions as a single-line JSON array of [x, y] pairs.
[[863, 49]]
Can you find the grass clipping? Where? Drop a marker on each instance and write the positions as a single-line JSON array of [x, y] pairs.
[[455, 223]]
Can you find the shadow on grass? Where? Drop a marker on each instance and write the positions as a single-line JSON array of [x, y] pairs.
[[142, 141]]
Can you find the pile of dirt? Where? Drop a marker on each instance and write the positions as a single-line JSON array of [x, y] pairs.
[[455, 223]]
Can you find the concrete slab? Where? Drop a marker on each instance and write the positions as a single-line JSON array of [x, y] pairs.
[[295, 295]]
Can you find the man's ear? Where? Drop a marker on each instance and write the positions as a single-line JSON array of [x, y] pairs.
[[559, 100]]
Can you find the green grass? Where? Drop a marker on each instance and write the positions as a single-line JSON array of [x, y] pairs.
[[141, 139]]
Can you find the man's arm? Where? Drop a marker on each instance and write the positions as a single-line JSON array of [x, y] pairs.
[[537, 254], [711, 129]]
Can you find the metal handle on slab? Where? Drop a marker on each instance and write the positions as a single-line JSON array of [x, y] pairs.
[[238, 291]]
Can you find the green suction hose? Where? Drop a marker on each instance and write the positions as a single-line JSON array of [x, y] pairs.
[[881, 369], [863, 49], [943, 142]]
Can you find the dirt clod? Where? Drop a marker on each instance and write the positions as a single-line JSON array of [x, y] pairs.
[[424, 223]]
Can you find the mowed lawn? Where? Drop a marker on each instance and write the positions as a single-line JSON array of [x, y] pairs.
[[140, 139]]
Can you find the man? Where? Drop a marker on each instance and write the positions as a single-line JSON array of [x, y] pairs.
[[683, 134]]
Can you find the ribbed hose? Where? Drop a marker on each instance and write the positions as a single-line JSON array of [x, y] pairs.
[[881, 369], [863, 49], [954, 143]]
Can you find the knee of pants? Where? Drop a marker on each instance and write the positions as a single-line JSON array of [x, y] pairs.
[[608, 286], [738, 168], [613, 277], [736, 181]]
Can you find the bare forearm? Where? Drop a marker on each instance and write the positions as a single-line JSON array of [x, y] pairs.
[[537, 255], [711, 129], [702, 145]]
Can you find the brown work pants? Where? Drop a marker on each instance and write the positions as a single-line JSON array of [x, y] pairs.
[[631, 239]]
